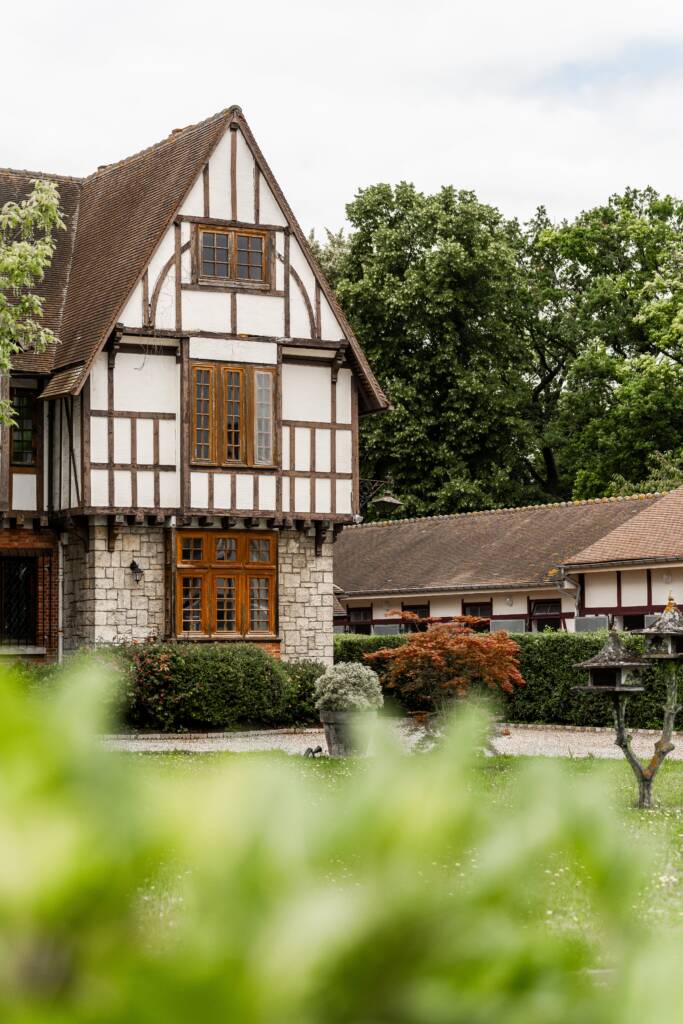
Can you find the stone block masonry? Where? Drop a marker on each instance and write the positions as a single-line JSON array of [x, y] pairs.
[[102, 601], [305, 598], [103, 604]]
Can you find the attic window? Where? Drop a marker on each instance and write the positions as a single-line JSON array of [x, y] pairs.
[[233, 256]]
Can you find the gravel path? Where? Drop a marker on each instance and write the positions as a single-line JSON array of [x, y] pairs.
[[544, 742]]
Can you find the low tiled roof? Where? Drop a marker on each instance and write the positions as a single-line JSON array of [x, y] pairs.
[[475, 550], [655, 535], [116, 217]]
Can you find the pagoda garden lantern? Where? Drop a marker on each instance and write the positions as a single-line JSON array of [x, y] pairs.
[[616, 671]]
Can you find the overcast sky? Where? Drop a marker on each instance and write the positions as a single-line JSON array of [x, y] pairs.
[[524, 101]]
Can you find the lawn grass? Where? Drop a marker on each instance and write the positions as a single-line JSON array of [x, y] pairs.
[[659, 832]]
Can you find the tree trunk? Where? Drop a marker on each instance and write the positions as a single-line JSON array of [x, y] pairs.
[[645, 794]]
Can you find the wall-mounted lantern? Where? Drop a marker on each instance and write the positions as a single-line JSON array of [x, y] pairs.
[[137, 572]]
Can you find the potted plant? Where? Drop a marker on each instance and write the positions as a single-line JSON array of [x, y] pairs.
[[347, 695]]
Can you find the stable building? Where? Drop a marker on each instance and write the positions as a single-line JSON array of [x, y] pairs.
[[569, 565], [187, 450]]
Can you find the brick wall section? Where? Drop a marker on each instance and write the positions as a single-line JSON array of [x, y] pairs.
[[305, 598], [102, 602], [44, 544]]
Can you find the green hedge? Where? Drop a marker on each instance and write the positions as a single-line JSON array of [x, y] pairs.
[[547, 661]]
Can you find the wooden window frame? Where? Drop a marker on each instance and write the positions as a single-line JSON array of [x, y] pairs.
[[209, 568], [218, 408], [211, 369], [26, 467], [232, 281]]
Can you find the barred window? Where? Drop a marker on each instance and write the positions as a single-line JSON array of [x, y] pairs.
[[24, 431], [217, 599], [203, 414]]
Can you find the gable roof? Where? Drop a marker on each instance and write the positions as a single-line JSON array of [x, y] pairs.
[[142, 192], [473, 551], [654, 535]]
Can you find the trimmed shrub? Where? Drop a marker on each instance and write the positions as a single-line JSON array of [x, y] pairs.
[[546, 663], [175, 686], [302, 677], [349, 687]]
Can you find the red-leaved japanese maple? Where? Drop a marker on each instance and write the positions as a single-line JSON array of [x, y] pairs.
[[445, 660]]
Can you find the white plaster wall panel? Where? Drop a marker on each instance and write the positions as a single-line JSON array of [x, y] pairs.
[[244, 491], [185, 257], [219, 180], [168, 442], [299, 320], [508, 604], [303, 268], [65, 464], [601, 589], [634, 587], [344, 396], [260, 314], [145, 485], [323, 354], [98, 382], [323, 462], [285, 459], [77, 444], [24, 492], [270, 212], [164, 318], [145, 442], [169, 490], [665, 582], [98, 439], [244, 180], [123, 491], [344, 451], [302, 494], [122, 440], [234, 351], [221, 490], [162, 254], [279, 237], [306, 393], [99, 487], [302, 449], [199, 490], [266, 493], [322, 495], [146, 383], [343, 503], [194, 201], [46, 461], [131, 314], [206, 311], [330, 328], [285, 494], [448, 604]]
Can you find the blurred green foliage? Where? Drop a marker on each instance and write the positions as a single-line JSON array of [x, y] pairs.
[[254, 892]]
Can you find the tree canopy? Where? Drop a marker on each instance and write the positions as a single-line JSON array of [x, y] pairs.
[[524, 362], [27, 246]]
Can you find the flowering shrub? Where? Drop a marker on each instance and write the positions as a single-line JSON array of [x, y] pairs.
[[350, 687]]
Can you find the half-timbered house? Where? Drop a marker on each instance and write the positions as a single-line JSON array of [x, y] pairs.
[[185, 453]]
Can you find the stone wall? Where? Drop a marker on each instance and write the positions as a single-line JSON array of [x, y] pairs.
[[305, 597], [102, 601]]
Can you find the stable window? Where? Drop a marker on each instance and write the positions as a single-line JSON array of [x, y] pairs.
[[360, 619], [24, 431], [230, 255], [233, 416], [546, 614], [225, 584], [422, 611], [479, 610]]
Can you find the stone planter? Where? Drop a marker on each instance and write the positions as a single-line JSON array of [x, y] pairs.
[[340, 734]]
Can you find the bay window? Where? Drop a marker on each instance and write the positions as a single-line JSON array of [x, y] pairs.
[[225, 584]]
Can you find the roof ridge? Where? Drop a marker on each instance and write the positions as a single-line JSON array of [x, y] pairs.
[[41, 174], [517, 508], [172, 137]]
